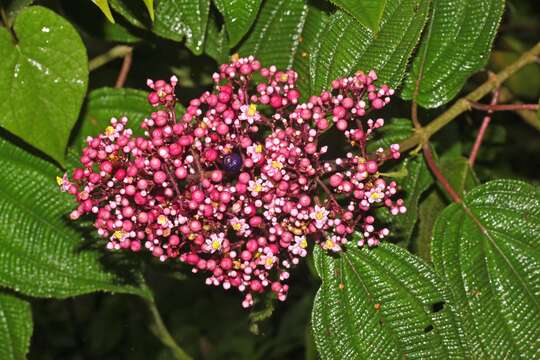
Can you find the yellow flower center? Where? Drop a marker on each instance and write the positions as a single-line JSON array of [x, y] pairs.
[[109, 131], [277, 165], [119, 234], [329, 244], [237, 226], [257, 188], [269, 261], [319, 215], [375, 196], [59, 180], [259, 149], [162, 220], [284, 77], [216, 244], [303, 243], [252, 110]]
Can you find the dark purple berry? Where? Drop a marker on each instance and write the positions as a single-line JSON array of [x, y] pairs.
[[232, 163]]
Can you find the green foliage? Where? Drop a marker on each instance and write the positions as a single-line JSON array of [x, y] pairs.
[[479, 300], [313, 26], [42, 84], [413, 176], [103, 5], [462, 179], [456, 45], [345, 46], [382, 303], [486, 249], [367, 12], [106, 103], [176, 19], [43, 254], [15, 327], [239, 15], [275, 37]]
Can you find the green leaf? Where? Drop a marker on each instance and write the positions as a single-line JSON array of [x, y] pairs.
[[313, 27], [132, 11], [382, 303], [44, 254], [428, 211], [487, 251], [346, 46], [417, 180], [103, 5], [275, 38], [239, 15], [43, 80], [456, 45], [106, 103], [15, 327], [150, 7], [176, 19], [459, 174], [216, 44], [462, 179], [367, 12]]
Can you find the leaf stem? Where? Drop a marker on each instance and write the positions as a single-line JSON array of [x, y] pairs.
[[124, 70], [482, 131], [116, 52], [428, 156], [160, 330], [505, 107], [464, 104]]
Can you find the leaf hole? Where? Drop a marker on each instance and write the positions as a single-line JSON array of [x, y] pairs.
[[428, 328], [438, 306]]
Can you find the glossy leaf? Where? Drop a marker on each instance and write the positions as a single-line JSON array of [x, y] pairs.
[[239, 15], [132, 11], [346, 46], [176, 19], [275, 37], [414, 178], [462, 179], [367, 12], [43, 79], [382, 303], [106, 103], [487, 251], [103, 5], [150, 7], [459, 174], [15, 327], [44, 254], [216, 44], [457, 44], [313, 27]]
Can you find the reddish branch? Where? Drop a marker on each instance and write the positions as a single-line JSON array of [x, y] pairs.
[[505, 107], [439, 175], [126, 65], [482, 131]]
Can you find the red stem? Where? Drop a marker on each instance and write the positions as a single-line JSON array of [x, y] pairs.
[[506, 107], [124, 70], [482, 131], [439, 175]]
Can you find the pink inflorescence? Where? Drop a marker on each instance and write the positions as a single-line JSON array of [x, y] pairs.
[[239, 185]]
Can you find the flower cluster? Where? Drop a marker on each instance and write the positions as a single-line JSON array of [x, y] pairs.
[[241, 184]]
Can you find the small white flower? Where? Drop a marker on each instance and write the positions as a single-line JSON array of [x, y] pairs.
[[320, 215], [249, 113], [214, 243]]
